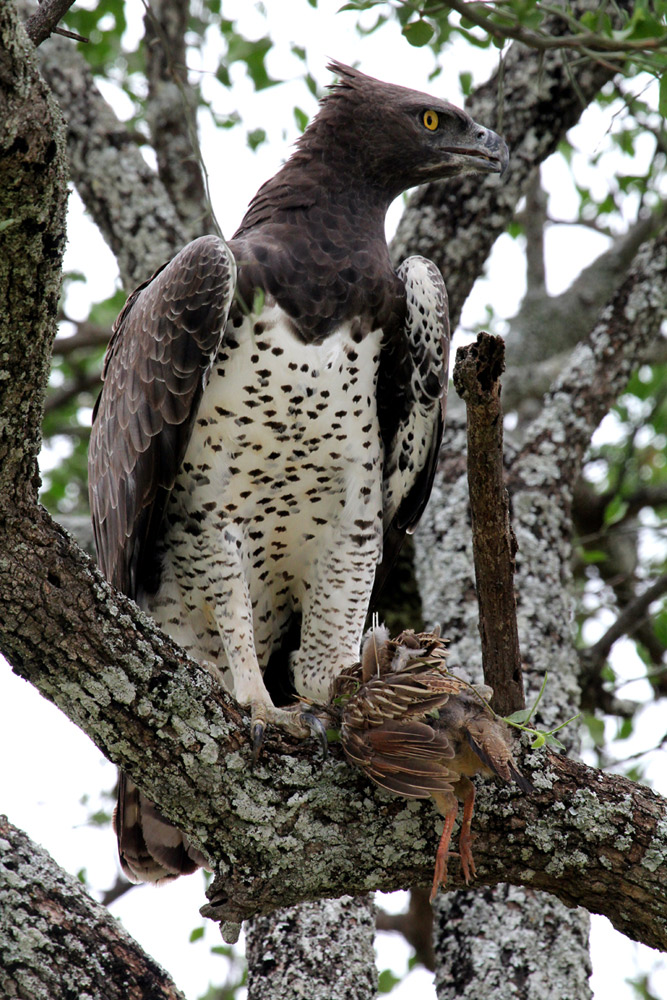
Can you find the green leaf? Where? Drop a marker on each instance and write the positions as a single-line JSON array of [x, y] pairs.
[[418, 33], [196, 934], [465, 81], [596, 729], [520, 717], [662, 96], [551, 741], [539, 741], [255, 138], [387, 980], [301, 119], [99, 818]]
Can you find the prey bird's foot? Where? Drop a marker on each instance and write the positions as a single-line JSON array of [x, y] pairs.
[[297, 720], [467, 860]]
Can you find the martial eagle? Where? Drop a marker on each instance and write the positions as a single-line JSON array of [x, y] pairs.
[[271, 415]]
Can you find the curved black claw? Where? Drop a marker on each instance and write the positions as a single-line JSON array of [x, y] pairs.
[[318, 730], [258, 734]]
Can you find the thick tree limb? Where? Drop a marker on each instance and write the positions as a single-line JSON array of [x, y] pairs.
[[123, 195], [33, 185], [477, 380], [599, 368], [172, 114], [569, 317], [293, 829], [57, 942], [289, 952]]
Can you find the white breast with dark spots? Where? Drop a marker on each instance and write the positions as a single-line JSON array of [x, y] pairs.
[[280, 493]]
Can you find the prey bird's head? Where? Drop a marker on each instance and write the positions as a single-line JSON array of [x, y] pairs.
[[391, 138]]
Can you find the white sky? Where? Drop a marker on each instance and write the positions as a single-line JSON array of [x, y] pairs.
[[42, 789]]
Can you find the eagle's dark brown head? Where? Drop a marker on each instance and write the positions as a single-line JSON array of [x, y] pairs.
[[392, 138]]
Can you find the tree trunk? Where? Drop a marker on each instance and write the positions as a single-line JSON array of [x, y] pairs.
[[57, 943], [321, 950]]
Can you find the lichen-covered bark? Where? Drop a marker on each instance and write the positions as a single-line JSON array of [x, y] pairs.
[[483, 945], [123, 195], [32, 239], [57, 942], [171, 113], [321, 950], [292, 828]]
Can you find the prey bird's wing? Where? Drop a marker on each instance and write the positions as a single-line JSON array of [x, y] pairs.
[[406, 758]]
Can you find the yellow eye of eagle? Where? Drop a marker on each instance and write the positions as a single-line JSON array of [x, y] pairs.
[[430, 120]]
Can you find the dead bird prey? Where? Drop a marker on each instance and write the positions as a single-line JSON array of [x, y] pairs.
[[418, 731]]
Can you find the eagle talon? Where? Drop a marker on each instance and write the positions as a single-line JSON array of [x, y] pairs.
[[258, 734], [318, 730]]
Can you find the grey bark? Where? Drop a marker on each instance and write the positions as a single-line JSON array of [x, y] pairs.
[[321, 950], [57, 942], [33, 184], [172, 114], [533, 360]]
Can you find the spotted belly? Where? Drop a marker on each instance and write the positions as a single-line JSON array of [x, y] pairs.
[[277, 507]]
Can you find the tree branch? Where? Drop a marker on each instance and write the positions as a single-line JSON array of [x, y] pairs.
[[570, 316], [477, 381], [87, 335], [45, 19], [107, 168], [282, 963], [600, 367], [626, 623], [33, 188], [164, 719], [56, 941], [171, 113], [582, 41]]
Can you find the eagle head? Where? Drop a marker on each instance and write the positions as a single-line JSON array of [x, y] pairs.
[[390, 138]]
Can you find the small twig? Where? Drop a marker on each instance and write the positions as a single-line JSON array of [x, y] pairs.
[[628, 620], [87, 335], [415, 924], [59, 397], [585, 41], [44, 21], [118, 889], [476, 380]]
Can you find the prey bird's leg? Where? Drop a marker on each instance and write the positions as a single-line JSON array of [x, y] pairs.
[[465, 840], [440, 873]]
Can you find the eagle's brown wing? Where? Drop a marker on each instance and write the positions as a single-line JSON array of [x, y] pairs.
[[157, 365]]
